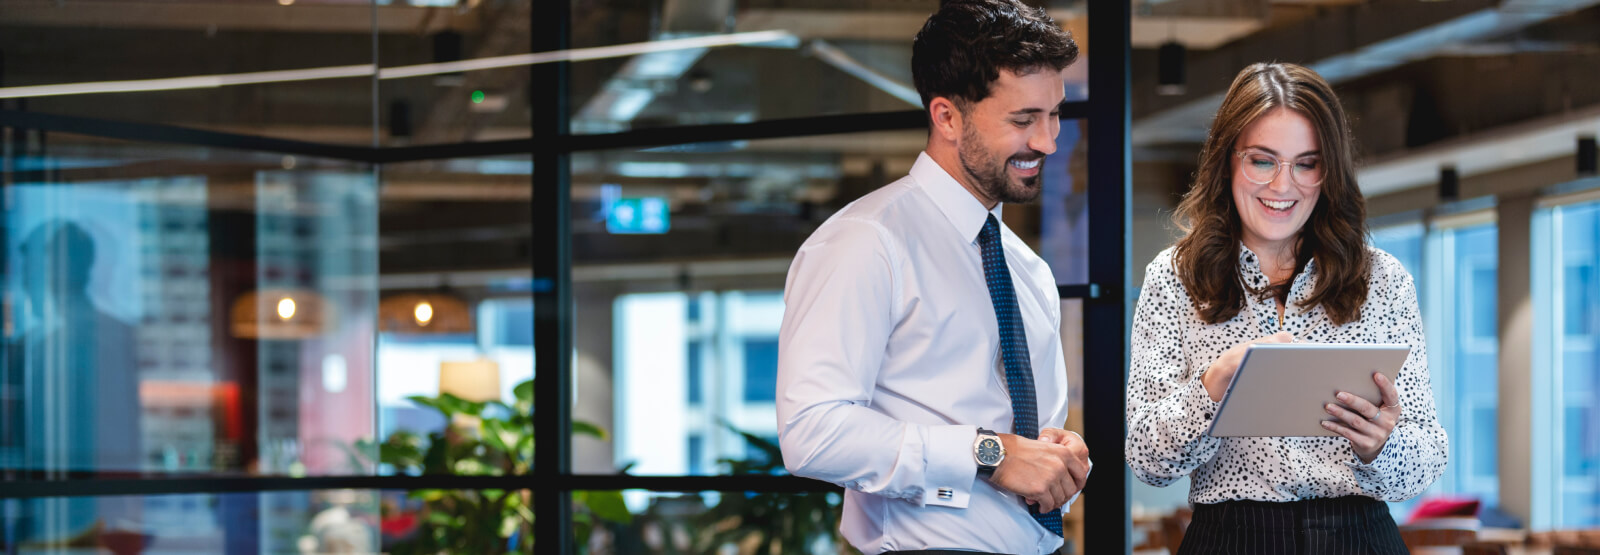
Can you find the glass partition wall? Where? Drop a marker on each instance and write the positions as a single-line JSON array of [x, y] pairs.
[[303, 312]]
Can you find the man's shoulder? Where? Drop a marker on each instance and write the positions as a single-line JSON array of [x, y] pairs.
[[885, 203], [883, 211]]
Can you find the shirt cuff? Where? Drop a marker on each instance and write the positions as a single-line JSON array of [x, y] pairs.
[[1198, 401], [1067, 508], [951, 469], [1370, 475]]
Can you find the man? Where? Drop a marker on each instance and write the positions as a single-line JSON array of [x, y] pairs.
[[920, 363]]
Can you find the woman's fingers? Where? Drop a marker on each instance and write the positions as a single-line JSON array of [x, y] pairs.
[[1362, 443], [1359, 405], [1354, 421], [1386, 390]]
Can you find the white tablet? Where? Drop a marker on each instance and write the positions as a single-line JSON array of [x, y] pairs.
[[1280, 388]]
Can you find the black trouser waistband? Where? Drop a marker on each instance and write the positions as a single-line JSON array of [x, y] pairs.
[[1338, 526]]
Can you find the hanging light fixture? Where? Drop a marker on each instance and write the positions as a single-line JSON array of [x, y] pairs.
[[427, 312], [1170, 60], [280, 313]]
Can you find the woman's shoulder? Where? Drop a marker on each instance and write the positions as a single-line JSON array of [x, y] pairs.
[[1385, 268], [1162, 263], [1161, 273], [1388, 277]]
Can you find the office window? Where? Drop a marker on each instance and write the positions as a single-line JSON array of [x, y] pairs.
[[678, 412], [1403, 242], [1460, 303], [761, 369], [1573, 233]]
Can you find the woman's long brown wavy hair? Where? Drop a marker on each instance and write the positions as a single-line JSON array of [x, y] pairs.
[[1207, 257]]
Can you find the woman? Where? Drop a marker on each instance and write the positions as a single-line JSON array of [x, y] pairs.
[[1274, 250]]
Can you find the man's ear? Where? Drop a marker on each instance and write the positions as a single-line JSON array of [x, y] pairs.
[[945, 119]]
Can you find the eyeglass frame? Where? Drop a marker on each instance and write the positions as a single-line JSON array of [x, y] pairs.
[[1276, 169]]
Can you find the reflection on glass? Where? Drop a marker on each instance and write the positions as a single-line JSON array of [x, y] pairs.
[[840, 58], [295, 70], [184, 311], [1576, 436], [334, 521], [308, 226], [1064, 206], [709, 522], [455, 240]]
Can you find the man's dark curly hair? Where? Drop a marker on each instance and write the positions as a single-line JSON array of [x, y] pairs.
[[961, 49]]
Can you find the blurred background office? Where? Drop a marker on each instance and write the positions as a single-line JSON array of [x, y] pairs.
[[260, 296]]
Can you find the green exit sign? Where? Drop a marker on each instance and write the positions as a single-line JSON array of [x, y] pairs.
[[638, 215]]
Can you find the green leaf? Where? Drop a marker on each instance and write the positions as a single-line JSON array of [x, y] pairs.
[[495, 434], [457, 405], [430, 402], [524, 392], [525, 446], [608, 505], [440, 518], [588, 429], [471, 467], [580, 535], [436, 460]]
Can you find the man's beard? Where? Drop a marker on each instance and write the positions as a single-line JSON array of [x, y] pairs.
[[989, 172]]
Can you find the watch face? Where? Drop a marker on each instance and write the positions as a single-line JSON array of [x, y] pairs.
[[989, 451]]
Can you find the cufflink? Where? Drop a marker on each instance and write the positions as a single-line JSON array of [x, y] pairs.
[[947, 493]]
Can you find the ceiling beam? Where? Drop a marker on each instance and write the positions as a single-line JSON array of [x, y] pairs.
[[215, 17], [1342, 44]]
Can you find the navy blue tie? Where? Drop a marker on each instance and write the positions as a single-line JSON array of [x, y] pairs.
[[1013, 349]]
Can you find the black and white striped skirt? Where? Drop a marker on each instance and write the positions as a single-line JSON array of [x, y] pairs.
[[1338, 526]]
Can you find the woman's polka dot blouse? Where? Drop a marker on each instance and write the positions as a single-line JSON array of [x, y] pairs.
[[1169, 410]]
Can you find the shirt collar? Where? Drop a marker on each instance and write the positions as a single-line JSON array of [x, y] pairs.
[[1250, 270], [960, 208]]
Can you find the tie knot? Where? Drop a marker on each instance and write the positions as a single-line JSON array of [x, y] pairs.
[[990, 231]]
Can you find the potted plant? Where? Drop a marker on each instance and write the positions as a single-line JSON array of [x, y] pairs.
[[480, 439]]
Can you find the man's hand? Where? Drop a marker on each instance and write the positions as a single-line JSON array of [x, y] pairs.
[[1074, 443], [1047, 471]]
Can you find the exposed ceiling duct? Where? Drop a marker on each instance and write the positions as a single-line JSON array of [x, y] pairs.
[[638, 82], [838, 58]]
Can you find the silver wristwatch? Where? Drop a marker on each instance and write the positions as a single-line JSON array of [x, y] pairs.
[[988, 451]]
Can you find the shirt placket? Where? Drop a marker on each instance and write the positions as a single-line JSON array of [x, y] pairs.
[[1265, 310], [1298, 291]]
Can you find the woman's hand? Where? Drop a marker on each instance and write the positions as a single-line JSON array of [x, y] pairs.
[[1366, 426], [1220, 373]]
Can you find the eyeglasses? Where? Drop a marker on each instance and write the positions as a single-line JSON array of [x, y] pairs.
[[1261, 168]]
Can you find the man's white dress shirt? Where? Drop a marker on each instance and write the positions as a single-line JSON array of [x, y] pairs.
[[889, 361]]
